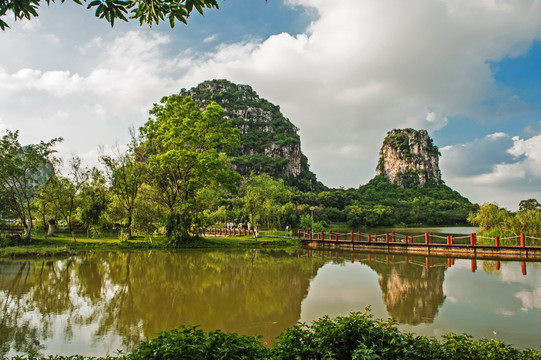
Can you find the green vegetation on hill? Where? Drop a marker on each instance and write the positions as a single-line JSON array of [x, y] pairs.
[[269, 142], [380, 203]]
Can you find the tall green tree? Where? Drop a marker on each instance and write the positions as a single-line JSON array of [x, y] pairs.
[[184, 148], [263, 200], [63, 192], [126, 175], [94, 202], [530, 204], [22, 170]]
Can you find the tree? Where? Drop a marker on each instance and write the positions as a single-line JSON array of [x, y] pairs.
[[63, 192], [126, 175], [488, 216], [184, 148], [22, 170], [94, 202], [530, 204], [263, 199], [146, 12]]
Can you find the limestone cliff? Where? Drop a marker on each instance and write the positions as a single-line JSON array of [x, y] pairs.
[[269, 141], [409, 158]]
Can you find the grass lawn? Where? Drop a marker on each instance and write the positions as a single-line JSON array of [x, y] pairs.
[[62, 243]]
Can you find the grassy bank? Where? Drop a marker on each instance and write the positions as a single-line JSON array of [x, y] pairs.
[[62, 244]]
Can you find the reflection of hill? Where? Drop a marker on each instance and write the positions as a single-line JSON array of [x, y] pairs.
[[411, 292], [139, 294]]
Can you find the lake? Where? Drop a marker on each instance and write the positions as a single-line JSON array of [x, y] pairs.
[[99, 302]]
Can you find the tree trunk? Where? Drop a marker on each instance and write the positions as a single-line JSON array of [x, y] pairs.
[[73, 235], [52, 228], [129, 226], [27, 236]]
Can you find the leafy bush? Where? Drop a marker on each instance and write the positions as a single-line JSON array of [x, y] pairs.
[[193, 343]]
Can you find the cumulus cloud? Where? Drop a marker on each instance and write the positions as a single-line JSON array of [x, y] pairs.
[[495, 164], [96, 106]]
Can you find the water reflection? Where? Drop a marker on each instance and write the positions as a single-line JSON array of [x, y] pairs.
[[99, 302], [413, 292], [132, 296]]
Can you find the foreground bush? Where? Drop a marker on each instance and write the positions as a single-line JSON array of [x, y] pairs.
[[357, 336]]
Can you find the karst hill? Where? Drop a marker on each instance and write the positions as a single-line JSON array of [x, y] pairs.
[[409, 158], [269, 141]]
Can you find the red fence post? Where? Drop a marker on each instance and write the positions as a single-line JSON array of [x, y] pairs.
[[394, 238], [472, 239], [522, 240], [310, 235], [351, 235], [336, 237], [448, 242], [523, 266], [411, 239], [426, 238], [497, 241], [375, 237], [405, 242], [322, 234], [451, 239], [359, 236], [386, 237], [368, 237], [330, 234]]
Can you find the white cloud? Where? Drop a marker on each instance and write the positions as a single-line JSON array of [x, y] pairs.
[[496, 167], [211, 38]]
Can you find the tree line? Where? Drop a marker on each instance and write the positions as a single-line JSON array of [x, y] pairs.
[[495, 221], [176, 179]]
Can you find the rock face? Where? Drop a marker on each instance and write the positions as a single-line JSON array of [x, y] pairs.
[[408, 158], [269, 141]]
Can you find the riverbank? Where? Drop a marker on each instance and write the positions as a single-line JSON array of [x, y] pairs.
[[63, 245]]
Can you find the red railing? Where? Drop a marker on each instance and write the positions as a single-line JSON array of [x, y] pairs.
[[427, 238]]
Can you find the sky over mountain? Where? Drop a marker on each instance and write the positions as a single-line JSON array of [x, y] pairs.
[[345, 72]]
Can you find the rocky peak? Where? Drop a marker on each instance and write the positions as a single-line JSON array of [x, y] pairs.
[[409, 158], [269, 141]]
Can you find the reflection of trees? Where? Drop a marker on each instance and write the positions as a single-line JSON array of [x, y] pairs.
[[16, 331], [138, 294], [411, 292]]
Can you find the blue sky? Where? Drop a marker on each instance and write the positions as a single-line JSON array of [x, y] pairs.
[[345, 72]]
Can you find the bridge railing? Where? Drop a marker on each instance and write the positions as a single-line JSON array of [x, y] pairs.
[[520, 240]]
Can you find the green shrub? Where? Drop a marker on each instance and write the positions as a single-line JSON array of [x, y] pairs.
[[193, 343]]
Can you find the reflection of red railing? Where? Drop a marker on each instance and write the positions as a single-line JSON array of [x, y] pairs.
[[427, 261], [428, 238]]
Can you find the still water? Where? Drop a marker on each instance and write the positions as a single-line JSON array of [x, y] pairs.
[[100, 302]]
